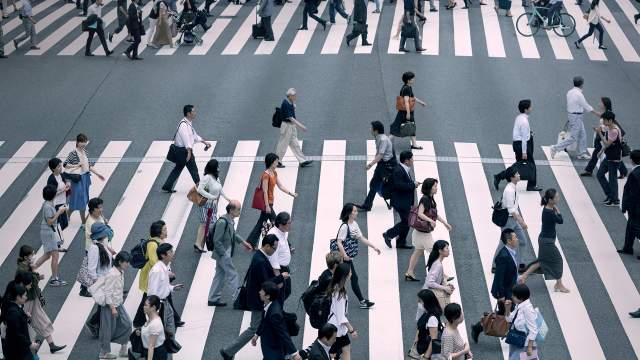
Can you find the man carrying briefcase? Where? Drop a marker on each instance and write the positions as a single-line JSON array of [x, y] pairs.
[[523, 148]]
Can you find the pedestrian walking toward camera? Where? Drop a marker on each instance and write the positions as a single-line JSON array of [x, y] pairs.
[[115, 325], [408, 27], [225, 238], [453, 345], [436, 280], [16, 323], [523, 148], [136, 29], [402, 199], [95, 25], [268, 181], [340, 310], [384, 161], [50, 234], [423, 240], [28, 24], [265, 11], [549, 262], [359, 27], [281, 258], [515, 221], [576, 106], [289, 130], [631, 205], [39, 320], [593, 17], [346, 244], [211, 189], [160, 278], [523, 319], [62, 187], [612, 148], [78, 168], [405, 123], [184, 140]]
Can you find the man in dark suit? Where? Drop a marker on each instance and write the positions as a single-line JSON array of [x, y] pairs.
[[276, 342], [310, 10], [631, 204], [402, 198], [359, 28], [505, 278], [259, 271], [319, 350], [134, 25]]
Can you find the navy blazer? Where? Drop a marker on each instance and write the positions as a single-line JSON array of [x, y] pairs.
[[403, 194], [274, 337], [506, 275], [260, 270], [631, 195], [17, 333], [314, 352]]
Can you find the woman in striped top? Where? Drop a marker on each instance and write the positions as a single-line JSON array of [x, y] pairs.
[[77, 164]]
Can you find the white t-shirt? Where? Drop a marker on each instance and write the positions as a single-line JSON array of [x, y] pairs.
[[61, 196], [354, 229], [154, 327]]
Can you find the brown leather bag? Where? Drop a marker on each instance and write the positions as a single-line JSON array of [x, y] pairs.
[[194, 196], [400, 103], [494, 325]]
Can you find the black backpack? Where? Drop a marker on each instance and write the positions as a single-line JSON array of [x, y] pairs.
[[290, 320], [139, 254], [319, 305], [276, 119], [208, 242], [309, 295]]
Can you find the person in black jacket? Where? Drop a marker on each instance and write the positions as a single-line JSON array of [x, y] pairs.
[[135, 27], [276, 342], [505, 278], [17, 324], [319, 350], [359, 15], [310, 10], [333, 258], [259, 271], [631, 204], [402, 198]]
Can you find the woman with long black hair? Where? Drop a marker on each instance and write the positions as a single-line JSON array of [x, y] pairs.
[[337, 290], [436, 279], [211, 188], [428, 323], [593, 17]]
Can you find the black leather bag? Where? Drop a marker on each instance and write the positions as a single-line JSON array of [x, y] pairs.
[[175, 155], [408, 30], [526, 169], [242, 302], [171, 345], [500, 214], [290, 320], [359, 28]]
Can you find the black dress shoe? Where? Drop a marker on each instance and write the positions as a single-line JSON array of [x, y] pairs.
[[180, 323], [624, 251], [420, 50], [387, 239], [366, 43], [586, 173], [635, 314], [216, 303], [408, 277], [169, 191], [362, 208], [53, 348], [280, 165], [303, 28], [108, 53], [635, 18], [197, 249], [403, 50], [348, 41], [139, 58], [535, 188], [306, 163], [496, 182], [225, 356], [4, 57], [324, 25], [404, 247], [88, 54]]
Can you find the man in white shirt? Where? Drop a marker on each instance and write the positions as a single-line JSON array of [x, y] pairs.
[[281, 258], [160, 285], [515, 220], [576, 107], [96, 26], [184, 140], [522, 147]]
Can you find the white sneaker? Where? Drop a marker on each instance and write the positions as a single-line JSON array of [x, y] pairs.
[[553, 153], [124, 352], [584, 157], [106, 356]]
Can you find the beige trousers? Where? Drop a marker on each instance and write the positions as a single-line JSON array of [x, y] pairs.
[[289, 138]]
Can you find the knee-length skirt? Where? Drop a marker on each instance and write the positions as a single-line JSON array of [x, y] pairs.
[[79, 197], [549, 258]]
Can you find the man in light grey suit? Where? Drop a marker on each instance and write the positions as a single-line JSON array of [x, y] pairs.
[[224, 239]]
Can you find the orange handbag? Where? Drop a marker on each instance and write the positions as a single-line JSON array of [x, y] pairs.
[[194, 196], [400, 103]]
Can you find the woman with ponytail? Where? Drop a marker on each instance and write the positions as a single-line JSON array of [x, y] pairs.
[[549, 261], [99, 265]]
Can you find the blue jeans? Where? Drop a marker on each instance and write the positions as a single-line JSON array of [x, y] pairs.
[[336, 5], [610, 186]]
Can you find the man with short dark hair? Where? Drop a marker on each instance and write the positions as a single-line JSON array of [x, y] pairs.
[[522, 147], [384, 161], [359, 27], [319, 350], [184, 141], [402, 198], [160, 285], [515, 221], [631, 205], [281, 258]]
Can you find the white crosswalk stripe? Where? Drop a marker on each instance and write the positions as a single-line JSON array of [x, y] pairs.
[[386, 337]]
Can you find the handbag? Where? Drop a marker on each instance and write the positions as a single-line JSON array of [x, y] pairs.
[[136, 342], [349, 244], [194, 196], [83, 274], [241, 302], [258, 199], [408, 30], [494, 324], [172, 345], [417, 223], [172, 154], [500, 214], [400, 103], [407, 128], [516, 337]]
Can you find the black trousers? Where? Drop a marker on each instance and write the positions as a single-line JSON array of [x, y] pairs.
[[355, 285], [175, 173], [100, 31], [355, 33], [207, 5], [266, 27], [84, 4], [285, 292], [594, 159], [133, 48], [632, 232], [517, 149], [374, 184], [140, 319], [593, 27], [308, 11], [400, 229], [254, 236]]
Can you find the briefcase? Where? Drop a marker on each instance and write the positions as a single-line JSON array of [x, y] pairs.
[[257, 31], [526, 169]]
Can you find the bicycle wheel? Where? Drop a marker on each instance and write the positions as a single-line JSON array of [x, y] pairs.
[[566, 26], [527, 24]]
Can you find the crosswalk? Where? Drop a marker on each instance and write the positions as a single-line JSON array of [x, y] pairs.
[[59, 33], [578, 322]]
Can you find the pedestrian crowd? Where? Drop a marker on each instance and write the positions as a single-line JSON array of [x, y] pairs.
[[267, 284]]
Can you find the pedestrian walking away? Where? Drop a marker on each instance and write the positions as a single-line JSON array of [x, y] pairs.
[[404, 124], [631, 205], [95, 25], [384, 161], [402, 199], [211, 189], [593, 17], [407, 27], [515, 221], [28, 24], [135, 28], [359, 26], [225, 238], [289, 130], [62, 187], [184, 140], [549, 262], [421, 239], [523, 149], [576, 107], [310, 10], [96, 216], [98, 264], [340, 310]]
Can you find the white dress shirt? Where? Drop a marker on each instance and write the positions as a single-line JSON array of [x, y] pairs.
[[187, 135], [159, 284], [95, 9], [509, 198], [525, 320], [282, 255], [522, 131], [576, 102]]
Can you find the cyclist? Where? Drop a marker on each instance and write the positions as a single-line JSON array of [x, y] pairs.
[[554, 8]]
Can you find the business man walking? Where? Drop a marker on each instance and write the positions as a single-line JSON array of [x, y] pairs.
[[631, 204], [402, 198]]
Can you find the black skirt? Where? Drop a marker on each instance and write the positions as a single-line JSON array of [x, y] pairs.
[[401, 117]]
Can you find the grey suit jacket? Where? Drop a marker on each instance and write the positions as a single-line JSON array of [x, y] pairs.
[[224, 237]]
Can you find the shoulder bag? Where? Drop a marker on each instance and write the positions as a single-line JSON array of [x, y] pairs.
[[516, 337], [241, 302], [349, 244], [172, 154], [500, 214], [400, 102], [494, 324], [83, 274], [194, 196], [417, 223], [258, 198]]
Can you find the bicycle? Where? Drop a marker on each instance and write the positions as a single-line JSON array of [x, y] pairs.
[[530, 22]]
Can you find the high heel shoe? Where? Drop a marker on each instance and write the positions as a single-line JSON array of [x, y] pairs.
[[197, 249], [408, 277]]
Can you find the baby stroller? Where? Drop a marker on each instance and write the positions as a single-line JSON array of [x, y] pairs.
[[187, 22]]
